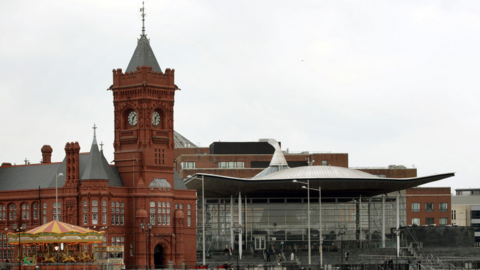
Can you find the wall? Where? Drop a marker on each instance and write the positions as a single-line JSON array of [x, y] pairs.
[[446, 236], [425, 195]]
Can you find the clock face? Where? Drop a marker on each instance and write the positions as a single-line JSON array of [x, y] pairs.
[[132, 118], [155, 118]]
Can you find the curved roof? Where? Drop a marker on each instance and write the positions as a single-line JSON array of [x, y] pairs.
[[333, 181], [308, 172]]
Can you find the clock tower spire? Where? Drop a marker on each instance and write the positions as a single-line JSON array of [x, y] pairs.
[[144, 98]]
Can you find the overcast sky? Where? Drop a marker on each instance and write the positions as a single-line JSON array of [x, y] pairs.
[[388, 82]]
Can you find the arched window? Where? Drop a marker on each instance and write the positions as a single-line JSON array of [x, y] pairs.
[[168, 204], [35, 211], [25, 211], [113, 204], [57, 211], [189, 215], [12, 211], [122, 211], [118, 204], [85, 211], [152, 212], [104, 212], [181, 206], [2, 212], [94, 212]]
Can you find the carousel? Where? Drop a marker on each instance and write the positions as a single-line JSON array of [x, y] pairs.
[[57, 243]]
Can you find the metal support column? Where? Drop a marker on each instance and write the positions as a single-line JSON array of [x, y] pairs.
[[383, 220], [240, 223]]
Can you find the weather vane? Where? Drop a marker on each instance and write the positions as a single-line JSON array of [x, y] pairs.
[[143, 18]]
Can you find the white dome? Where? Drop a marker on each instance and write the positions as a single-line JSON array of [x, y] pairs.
[[315, 172]]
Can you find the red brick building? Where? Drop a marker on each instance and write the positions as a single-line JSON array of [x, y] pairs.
[[429, 206], [141, 186], [252, 157]]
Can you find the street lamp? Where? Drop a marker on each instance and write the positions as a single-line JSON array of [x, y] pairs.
[[308, 217], [203, 217], [397, 234], [341, 232], [19, 230], [237, 229], [147, 237], [320, 236], [56, 195]]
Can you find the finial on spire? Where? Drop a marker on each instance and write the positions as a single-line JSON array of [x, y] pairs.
[[94, 131], [101, 146], [143, 18]]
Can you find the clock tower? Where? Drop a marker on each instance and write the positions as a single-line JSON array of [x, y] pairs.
[[143, 97]]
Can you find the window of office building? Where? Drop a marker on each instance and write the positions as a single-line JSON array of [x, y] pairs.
[[429, 221], [324, 163], [443, 207], [416, 221], [415, 207], [429, 207], [475, 214], [231, 165], [454, 214], [188, 165], [443, 221]]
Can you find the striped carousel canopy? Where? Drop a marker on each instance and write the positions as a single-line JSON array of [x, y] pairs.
[[59, 227], [56, 232]]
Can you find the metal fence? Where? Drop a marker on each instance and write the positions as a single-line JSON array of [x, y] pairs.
[[214, 266]]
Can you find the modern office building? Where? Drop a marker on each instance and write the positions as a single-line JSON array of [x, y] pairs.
[[429, 206], [466, 209], [272, 210]]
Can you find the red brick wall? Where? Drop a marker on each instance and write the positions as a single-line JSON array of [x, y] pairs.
[[209, 163], [392, 173], [425, 195]]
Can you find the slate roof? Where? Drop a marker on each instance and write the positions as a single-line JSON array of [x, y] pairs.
[[93, 165], [177, 181], [181, 141], [143, 56]]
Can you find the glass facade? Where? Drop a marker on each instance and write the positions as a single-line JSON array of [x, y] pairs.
[[283, 222]]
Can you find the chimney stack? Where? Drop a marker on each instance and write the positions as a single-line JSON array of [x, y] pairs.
[[47, 154]]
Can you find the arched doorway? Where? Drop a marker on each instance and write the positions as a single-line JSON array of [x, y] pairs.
[[158, 257]]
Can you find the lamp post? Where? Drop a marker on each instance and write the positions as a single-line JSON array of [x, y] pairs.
[[203, 217], [341, 232], [56, 195], [19, 230], [320, 236], [308, 218], [237, 229], [147, 237], [397, 234]]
